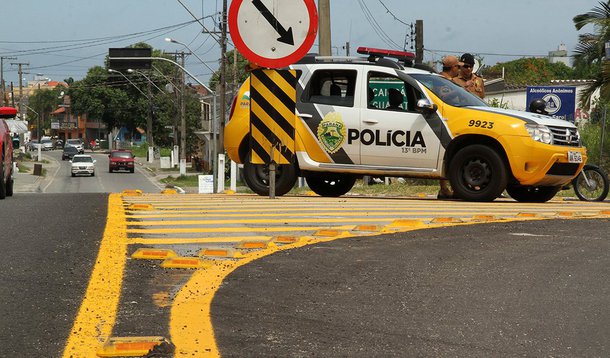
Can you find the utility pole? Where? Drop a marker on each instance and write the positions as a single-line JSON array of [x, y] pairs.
[[419, 41], [222, 85], [347, 48], [20, 72], [2, 86], [182, 121], [324, 27]]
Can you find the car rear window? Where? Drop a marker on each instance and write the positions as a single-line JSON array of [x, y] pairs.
[[122, 155]]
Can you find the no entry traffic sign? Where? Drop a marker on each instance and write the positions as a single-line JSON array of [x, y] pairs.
[[273, 33]]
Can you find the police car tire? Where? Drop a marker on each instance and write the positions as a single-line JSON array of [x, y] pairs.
[[528, 194], [9, 186], [2, 184], [477, 173], [257, 178], [330, 186]]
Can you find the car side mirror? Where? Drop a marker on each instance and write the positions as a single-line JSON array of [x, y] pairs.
[[94, 161], [108, 155], [70, 160], [425, 106]]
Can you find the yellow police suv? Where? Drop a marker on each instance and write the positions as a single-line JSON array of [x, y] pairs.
[[378, 115]]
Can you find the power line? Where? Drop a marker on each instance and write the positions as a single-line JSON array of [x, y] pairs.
[[486, 53], [376, 27]]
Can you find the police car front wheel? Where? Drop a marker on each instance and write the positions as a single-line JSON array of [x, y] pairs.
[[477, 173], [256, 177], [330, 186]]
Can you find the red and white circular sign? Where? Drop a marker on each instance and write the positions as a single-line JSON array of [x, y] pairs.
[[273, 33]]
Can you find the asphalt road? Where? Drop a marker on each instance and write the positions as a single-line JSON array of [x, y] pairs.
[[49, 243], [537, 288]]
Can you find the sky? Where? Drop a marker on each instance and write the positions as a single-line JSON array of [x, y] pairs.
[[62, 39]]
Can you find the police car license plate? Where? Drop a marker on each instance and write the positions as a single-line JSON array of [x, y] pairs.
[[574, 157]]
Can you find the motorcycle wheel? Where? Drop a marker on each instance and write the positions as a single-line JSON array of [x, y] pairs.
[[591, 184]]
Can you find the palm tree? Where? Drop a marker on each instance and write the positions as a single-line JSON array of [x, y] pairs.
[[590, 50]]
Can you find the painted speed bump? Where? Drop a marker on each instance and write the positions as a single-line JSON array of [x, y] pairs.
[[153, 254], [140, 207], [406, 223], [330, 233], [368, 228], [254, 245], [132, 346], [130, 192], [186, 263], [484, 218], [285, 239], [568, 214], [528, 215], [220, 252], [169, 192]]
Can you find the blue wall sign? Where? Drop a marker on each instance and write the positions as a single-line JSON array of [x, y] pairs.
[[560, 100]]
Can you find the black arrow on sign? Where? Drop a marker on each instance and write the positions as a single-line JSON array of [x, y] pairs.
[[285, 35]]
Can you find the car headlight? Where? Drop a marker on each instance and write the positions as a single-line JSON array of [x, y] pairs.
[[540, 133]]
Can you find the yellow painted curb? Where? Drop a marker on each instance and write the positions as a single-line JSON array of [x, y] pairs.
[[229, 192], [153, 254], [129, 346], [169, 192]]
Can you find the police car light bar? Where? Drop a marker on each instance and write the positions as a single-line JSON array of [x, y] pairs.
[[8, 112], [386, 53]]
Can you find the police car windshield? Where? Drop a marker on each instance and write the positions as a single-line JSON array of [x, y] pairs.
[[448, 92]]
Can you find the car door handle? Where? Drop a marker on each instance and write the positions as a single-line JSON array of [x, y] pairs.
[[370, 121], [305, 115]]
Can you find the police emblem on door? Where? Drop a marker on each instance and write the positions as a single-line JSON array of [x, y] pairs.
[[332, 132]]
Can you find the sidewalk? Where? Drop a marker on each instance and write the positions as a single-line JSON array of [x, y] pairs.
[[27, 182]]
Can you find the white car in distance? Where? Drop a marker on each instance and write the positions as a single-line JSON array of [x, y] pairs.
[[76, 143], [82, 164]]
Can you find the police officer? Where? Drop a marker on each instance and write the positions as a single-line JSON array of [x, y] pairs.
[[451, 67], [471, 82]]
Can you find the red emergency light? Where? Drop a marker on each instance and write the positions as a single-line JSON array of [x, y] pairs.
[[401, 55]]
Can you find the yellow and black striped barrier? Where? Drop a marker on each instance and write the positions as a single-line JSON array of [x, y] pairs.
[[272, 115]]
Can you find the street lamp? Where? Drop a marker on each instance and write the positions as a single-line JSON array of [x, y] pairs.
[[125, 77], [130, 70], [214, 124]]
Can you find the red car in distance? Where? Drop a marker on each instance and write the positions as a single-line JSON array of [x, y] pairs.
[[121, 159], [6, 151]]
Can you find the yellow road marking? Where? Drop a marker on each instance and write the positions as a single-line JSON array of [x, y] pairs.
[[231, 229], [98, 310]]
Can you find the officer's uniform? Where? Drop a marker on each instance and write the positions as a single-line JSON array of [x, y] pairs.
[[477, 87]]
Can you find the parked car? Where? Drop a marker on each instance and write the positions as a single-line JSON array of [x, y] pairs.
[[69, 152], [78, 143], [47, 144], [32, 145], [6, 153], [121, 159], [82, 164]]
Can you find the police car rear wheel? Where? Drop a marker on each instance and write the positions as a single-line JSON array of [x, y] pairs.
[[257, 178], [525, 194], [477, 173], [332, 186]]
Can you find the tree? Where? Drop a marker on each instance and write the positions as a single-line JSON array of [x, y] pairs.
[[530, 71], [589, 54], [242, 74], [43, 102]]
